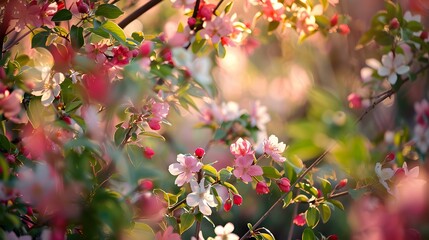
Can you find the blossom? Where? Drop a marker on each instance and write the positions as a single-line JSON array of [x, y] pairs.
[[274, 148], [168, 234], [299, 220], [259, 116], [225, 233], [238, 199], [186, 4], [284, 184], [216, 29], [198, 67], [355, 100], [201, 197], [422, 112], [187, 166], [421, 137], [121, 55], [273, 10], [383, 175], [148, 152], [10, 103], [392, 65], [241, 147], [262, 188], [245, 169], [48, 86]]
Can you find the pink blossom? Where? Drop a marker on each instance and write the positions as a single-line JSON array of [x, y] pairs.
[[150, 206], [274, 148], [273, 10], [121, 55], [168, 234], [241, 147], [299, 220], [259, 116], [33, 14], [10, 104], [355, 101], [185, 169], [159, 112], [97, 52], [262, 188], [186, 4], [244, 168], [216, 29]]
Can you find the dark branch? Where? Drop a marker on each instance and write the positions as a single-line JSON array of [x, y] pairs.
[[137, 13]]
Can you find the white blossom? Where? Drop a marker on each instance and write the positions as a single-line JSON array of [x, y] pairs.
[[225, 233], [201, 197], [393, 65]]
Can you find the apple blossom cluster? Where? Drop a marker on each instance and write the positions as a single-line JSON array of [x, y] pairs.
[[404, 41]]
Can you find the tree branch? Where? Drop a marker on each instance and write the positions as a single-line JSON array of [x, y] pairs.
[[137, 13]]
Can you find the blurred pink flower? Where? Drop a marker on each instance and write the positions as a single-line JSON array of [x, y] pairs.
[[241, 147], [186, 4], [10, 103], [216, 29], [274, 148], [184, 170], [168, 234], [244, 168], [273, 10]]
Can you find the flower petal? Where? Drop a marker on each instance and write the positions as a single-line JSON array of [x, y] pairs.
[[402, 69], [192, 199]]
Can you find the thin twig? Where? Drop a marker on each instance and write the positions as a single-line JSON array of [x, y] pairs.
[[294, 213], [137, 13], [7, 11]]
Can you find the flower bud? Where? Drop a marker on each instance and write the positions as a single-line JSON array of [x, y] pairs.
[[238, 199], [154, 124], [394, 24], [148, 152], [262, 188], [146, 48], [228, 205], [332, 237], [145, 185], [199, 152], [82, 7], [284, 184], [355, 101], [341, 184], [334, 20], [344, 29], [389, 157], [191, 22], [424, 35]]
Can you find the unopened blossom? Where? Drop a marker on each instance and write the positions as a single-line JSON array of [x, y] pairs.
[[241, 147], [238, 199], [273, 10], [48, 86], [299, 220], [392, 66], [421, 137], [225, 233], [216, 29], [384, 174], [284, 184], [148, 152], [244, 168], [201, 197], [274, 148], [355, 101], [262, 188], [168, 234], [159, 112], [185, 169]]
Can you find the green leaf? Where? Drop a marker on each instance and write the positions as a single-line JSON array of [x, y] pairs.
[[326, 187], [301, 198], [323, 21], [4, 167], [39, 39], [186, 221], [224, 174], [114, 30], [62, 15], [119, 135], [308, 234], [324, 3], [220, 50], [287, 200], [271, 172], [153, 134], [383, 38], [211, 171], [325, 212], [267, 236], [273, 26], [230, 187], [197, 45], [76, 37], [336, 203], [414, 26], [72, 106], [108, 11], [138, 36], [228, 7], [5, 145], [39, 114], [312, 217]]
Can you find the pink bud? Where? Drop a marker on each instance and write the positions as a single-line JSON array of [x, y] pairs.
[[332, 237], [341, 184], [424, 35], [344, 29], [191, 22], [199, 152], [145, 184], [319, 193], [154, 124], [334, 20], [389, 157], [284, 184], [82, 7], [262, 188], [146, 48], [238, 199], [394, 24], [228, 205], [30, 211], [67, 120], [148, 152], [399, 174], [355, 101], [299, 220]]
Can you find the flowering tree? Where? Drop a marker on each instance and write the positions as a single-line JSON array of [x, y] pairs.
[[84, 101]]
